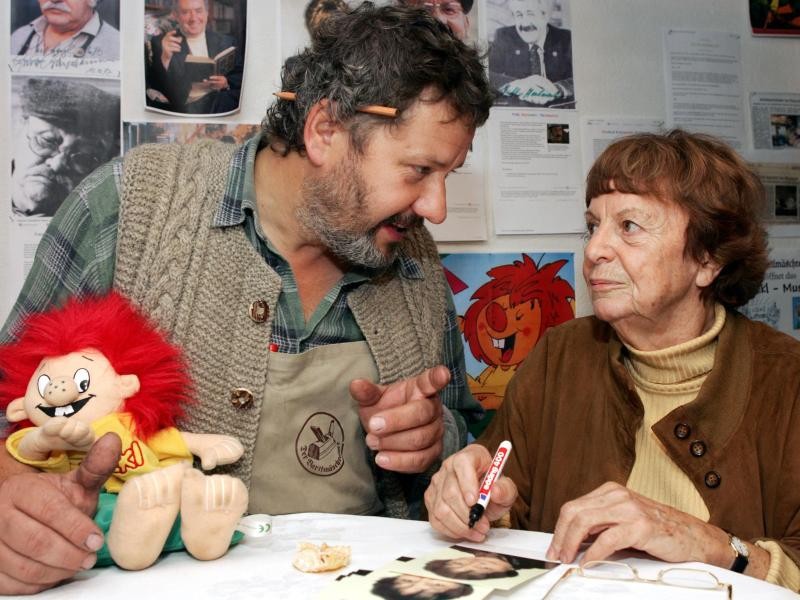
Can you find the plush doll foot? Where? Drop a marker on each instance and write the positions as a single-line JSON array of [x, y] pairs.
[[145, 512], [210, 508]]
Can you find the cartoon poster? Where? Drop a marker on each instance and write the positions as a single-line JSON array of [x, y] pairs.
[[505, 303]]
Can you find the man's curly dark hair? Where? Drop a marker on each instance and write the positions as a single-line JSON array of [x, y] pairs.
[[382, 56]]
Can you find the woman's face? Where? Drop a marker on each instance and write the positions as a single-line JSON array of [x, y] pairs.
[[411, 585], [479, 565], [638, 276]]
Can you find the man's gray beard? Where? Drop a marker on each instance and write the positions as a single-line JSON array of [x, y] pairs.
[[358, 249], [326, 203]]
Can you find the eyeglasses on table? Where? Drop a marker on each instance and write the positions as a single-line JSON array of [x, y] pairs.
[[677, 577]]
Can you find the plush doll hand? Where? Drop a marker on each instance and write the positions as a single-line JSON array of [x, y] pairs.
[[212, 449], [66, 434], [75, 434], [59, 433]]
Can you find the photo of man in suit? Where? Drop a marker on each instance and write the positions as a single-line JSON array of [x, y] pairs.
[[170, 85], [530, 62]]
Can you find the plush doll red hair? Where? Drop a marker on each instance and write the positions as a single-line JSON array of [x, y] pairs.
[[99, 365], [109, 325]]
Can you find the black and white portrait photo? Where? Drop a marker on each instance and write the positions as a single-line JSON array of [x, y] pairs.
[[66, 128], [530, 54]]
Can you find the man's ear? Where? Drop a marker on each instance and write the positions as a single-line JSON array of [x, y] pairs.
[[128, 385], [15, 411], [322, 134]]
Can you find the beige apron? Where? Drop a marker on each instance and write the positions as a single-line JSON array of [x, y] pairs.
[[310, 454]]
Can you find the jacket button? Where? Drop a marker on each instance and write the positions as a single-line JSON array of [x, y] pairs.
[[259, 311], [241, 397], [697, 448], [682, 431], [713, 479]]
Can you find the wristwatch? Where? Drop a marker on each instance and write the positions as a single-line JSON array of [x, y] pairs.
[[742, 554]]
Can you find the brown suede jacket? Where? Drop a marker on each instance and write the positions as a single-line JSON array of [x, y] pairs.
[[572, 412]]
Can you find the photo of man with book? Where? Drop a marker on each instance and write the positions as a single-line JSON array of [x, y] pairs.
[[193, 66]]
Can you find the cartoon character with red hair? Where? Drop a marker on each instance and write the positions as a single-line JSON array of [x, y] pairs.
[[97, 366], [510, 313]]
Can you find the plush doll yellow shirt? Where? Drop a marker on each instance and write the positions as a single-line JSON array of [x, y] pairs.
[[165, 448]]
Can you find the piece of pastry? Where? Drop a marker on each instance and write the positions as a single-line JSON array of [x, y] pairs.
[[311, 558]]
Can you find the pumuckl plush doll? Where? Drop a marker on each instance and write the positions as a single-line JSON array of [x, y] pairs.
[[98, 365]]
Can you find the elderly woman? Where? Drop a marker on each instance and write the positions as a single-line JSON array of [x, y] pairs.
[[667, 422]]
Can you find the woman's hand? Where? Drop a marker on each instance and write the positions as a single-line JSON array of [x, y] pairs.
[[454, 489], [619, 518]]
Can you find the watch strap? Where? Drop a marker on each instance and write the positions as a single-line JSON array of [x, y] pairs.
[[742, 559], [739, 563]]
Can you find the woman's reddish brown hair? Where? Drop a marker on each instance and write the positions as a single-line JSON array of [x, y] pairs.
[[720, 193]]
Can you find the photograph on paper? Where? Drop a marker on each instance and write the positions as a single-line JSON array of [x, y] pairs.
[[785, 130], [388, 585], [776, 120], [194, 56], [135, 133], [66, 128], [530, 53], [479, 568], [781, 182], [78, 37]]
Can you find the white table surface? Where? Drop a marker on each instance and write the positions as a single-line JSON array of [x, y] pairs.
[[261, 568]]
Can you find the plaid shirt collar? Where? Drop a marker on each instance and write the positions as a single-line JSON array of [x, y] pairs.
[[240, 196]]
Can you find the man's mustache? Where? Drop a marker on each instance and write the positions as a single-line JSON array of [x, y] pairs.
[[528, 27], [406, 222], [56, 5]]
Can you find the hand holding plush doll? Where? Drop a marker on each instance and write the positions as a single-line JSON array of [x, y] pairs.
[[98, 366]]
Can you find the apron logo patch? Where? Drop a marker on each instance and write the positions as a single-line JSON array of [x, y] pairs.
[[320, 444]]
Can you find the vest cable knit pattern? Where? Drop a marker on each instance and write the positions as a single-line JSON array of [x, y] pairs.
[[197, 282]]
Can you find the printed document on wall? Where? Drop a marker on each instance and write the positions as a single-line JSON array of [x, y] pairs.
[[598, 133], [466, 199], [703, 70], [535, 172]]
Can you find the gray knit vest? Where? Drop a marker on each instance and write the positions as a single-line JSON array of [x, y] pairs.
[[198, 282]]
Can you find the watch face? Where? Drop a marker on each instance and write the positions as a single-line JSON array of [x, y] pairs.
[[740, 546]]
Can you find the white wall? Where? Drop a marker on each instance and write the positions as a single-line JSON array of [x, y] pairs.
[[618, 72]]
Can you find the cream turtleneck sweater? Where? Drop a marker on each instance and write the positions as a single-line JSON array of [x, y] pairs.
[[666, 379]]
